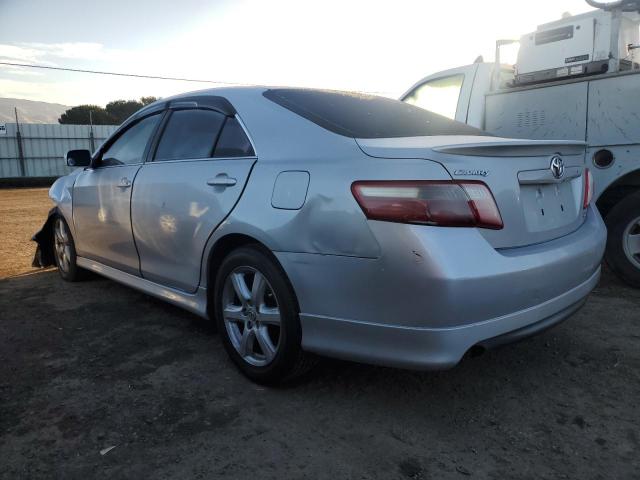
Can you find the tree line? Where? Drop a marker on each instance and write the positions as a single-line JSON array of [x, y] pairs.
[[114, 113]]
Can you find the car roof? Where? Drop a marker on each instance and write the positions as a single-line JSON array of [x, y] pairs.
[[275, 131], [286, 122]]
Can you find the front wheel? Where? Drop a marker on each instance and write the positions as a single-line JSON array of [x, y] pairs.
[[257, 317], [623, 242], [64, 251]]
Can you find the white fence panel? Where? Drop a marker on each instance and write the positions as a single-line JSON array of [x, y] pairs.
[[44, 147]]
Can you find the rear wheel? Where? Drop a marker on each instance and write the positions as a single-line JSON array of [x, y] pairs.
[[623, 242], [257, 317], [64, 251]]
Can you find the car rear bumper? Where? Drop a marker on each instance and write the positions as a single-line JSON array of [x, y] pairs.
[[434, 348], [436, 292]]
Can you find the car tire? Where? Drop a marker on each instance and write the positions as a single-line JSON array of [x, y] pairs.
[[64, 251], [257, 317], [623, 250]]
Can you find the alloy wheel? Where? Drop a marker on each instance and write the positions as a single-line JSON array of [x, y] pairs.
[[62, 245], [251, 315]]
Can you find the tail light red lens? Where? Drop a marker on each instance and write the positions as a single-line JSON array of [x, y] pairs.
[[588, 188], [441, 203]]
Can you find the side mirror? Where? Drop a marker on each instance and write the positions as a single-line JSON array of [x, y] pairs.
[[78, 158]]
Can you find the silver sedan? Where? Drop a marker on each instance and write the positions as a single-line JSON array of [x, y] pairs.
[[318, 222]]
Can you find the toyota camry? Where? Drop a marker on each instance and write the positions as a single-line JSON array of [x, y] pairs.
[[306, 222]]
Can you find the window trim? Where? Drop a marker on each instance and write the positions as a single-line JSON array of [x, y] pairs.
[[246, 132], [158, 135], [203, 102], [187, 160]]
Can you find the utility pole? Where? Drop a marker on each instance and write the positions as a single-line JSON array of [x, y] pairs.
[[19, 140], [91, 136]]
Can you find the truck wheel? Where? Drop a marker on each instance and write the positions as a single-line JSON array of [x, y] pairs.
[[623, 242]]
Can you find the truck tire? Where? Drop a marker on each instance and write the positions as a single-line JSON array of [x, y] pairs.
[[623, 242]]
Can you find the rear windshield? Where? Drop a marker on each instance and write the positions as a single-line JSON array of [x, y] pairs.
[[366, 116]]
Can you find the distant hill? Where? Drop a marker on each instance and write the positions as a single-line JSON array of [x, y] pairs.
[[30, 111]]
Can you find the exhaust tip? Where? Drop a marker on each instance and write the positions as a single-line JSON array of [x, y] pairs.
[[477, 351]]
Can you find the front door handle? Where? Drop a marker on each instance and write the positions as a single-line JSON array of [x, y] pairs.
[[124, 183], [222, 180]]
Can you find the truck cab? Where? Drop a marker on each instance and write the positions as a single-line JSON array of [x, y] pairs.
[[554, 93], [457, 93]]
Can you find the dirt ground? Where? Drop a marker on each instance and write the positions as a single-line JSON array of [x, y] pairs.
[[89, 366], [22, 213]]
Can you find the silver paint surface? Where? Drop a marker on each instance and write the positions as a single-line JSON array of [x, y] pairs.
[[102, 217], [174, 210], [290, 190], [405, 295]]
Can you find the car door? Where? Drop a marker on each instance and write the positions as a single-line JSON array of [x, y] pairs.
[[102, 198], [200, 165]]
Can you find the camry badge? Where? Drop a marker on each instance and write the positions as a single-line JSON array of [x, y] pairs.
[[480, 173]]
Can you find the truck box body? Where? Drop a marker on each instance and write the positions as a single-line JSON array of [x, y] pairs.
[[604, 111], [575, 45]]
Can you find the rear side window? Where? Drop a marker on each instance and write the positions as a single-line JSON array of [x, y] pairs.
[[366, 116], [190, 134], [233, 142]]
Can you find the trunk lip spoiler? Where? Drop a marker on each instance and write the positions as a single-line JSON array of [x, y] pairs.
[[468, 145], [515, 143], [525, 148]]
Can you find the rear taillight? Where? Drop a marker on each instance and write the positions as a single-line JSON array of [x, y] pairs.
[[588, 188], [441, 203]]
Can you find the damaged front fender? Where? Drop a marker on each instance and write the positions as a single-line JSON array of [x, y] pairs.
[[61, 195], [44, 256]]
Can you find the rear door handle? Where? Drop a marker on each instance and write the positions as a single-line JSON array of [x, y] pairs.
[[124, 182], [222, 180]]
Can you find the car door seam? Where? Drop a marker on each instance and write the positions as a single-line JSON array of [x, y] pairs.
[[133, 236], [214, 229]]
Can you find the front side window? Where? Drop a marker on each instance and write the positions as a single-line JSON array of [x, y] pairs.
[[190, 134], [129, 148], [438, 96]]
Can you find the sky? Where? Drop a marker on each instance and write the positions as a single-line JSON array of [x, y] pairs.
[[372, 46]]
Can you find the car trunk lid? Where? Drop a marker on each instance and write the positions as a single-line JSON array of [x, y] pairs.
[[536, 206]]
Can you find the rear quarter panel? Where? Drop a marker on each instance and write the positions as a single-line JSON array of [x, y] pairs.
[[330, 222]]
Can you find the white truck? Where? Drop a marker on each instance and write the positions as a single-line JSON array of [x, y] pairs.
[[577, 78]]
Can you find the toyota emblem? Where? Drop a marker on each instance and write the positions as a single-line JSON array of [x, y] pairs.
[[557, 166]]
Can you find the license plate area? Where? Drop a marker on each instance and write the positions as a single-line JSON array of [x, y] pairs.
[[550, 206]]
